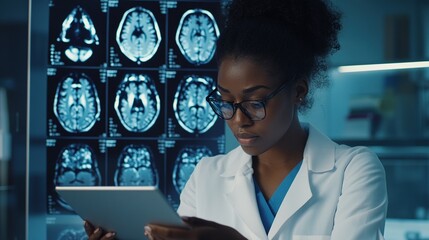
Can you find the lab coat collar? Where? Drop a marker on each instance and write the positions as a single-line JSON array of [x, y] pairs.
[[243, 200], [319, 156], [297, 196], [239, 162], [319, 151], [242, 195]]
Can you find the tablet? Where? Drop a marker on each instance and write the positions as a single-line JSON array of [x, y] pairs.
[[124, 210]]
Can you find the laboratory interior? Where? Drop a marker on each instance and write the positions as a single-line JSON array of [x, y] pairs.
[[378, 96]]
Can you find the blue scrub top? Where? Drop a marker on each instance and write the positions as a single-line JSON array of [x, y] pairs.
[[269, 209]]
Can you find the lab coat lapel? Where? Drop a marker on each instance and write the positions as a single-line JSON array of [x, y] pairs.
[[319, 156], [299, 193], [243, 200]]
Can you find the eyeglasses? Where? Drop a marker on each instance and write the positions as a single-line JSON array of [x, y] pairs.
[[253, 109]]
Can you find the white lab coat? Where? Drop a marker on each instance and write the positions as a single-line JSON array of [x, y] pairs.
[[339, 193]]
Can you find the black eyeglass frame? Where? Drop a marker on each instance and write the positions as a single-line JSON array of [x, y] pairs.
[[210, 99]]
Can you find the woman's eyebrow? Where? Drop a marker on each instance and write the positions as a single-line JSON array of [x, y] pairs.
[[247, 90], [222, 89]]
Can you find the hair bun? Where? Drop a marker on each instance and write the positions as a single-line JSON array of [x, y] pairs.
[[313, 21]]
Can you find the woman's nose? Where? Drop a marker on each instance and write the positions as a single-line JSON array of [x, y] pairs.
[[240, 118]]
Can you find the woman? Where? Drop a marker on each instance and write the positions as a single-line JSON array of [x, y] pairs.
[[286, 180]]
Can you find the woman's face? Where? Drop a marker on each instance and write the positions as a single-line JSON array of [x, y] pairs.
[[243, 79]]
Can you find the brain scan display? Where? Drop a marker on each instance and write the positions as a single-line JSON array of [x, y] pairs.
[[136, 167], [76, 166], [196, 36], [138, 34], [78, 31], [126, 86], [190, 107], [76, 103], [72, 234], [137, 102], [186, 161]]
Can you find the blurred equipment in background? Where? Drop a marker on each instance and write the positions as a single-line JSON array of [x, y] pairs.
[[5, 153], [4, 138]]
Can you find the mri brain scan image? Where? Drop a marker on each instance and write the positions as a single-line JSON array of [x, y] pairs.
[[196, 36], [137, 102], [136, 167], [138, 35], [186, 161], [72, 234], [76, 103], [78, 31], [190, 107], [76, 166]]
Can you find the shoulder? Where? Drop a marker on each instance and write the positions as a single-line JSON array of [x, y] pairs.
[[358, 159], [323, 154], [354, 150]]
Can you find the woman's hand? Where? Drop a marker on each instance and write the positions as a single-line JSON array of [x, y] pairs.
[[97, 233], [198, 229]]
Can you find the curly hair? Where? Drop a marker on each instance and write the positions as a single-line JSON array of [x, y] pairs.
[[290, 38]]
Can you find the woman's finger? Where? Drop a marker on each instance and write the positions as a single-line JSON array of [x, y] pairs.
[[198, 222], [98, 232], [89, 229], [167, 232], [109, 236]]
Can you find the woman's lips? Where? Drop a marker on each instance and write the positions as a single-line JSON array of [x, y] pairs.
[[246, 139]]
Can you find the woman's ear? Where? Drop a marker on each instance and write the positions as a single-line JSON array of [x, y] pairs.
[[301, 90]]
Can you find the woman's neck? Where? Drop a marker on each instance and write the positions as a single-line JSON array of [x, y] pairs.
[[287, 152], [271, 167]]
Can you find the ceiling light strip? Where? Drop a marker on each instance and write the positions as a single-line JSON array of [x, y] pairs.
[[383, 66]]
